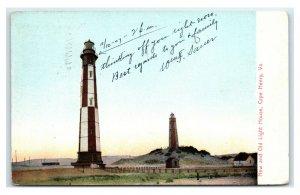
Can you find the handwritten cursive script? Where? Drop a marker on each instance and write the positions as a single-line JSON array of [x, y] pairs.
[[161, 46]]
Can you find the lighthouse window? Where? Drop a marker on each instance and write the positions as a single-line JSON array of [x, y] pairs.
[[91, 73], [91, 101]]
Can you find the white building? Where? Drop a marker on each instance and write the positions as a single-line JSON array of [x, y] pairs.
[[244, 159]]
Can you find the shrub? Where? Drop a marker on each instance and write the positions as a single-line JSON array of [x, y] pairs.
[[158, 150], [169, 180], [153, 161]]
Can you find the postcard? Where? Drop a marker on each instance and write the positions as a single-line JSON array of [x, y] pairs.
[[150, 97]]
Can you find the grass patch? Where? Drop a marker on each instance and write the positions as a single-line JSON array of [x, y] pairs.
[[116, 179], [102, 177], [153, 161], [169, 180]]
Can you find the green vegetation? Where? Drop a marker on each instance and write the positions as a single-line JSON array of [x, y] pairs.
[[153, 161], [102, 177], [156, 151], [194, 162], [192, 150], [117, 179], [186, 149], [128, 161], [184, 153], [169, 180]]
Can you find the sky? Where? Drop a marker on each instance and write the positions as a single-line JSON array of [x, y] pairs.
[[211, 90]]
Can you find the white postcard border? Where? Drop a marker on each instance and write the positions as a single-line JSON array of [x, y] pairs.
[[272, 97]]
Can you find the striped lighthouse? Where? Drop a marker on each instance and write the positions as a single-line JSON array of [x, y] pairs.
[[89, 151]]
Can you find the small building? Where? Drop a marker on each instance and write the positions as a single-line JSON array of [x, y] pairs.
[[50, 163], [230, 160], [244, 159], [172, 162]]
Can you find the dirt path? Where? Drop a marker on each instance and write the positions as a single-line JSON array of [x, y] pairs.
[[215, 181]]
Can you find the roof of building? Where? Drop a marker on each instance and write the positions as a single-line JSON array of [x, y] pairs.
[[254, 156]]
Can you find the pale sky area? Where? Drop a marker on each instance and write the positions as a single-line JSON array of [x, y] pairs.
[[211, 92]]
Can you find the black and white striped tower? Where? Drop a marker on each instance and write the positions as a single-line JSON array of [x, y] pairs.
[[89, 151]]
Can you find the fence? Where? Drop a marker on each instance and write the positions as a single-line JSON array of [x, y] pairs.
[[203, 170]]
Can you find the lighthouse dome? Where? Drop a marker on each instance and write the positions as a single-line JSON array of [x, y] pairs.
[[89, 45], [88, 49]]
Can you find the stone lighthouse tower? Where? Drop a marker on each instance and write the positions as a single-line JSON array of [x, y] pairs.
[[173, 160], [89, 151], [173, 137]]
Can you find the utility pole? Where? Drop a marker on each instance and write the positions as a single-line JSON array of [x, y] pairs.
[[16, 157]]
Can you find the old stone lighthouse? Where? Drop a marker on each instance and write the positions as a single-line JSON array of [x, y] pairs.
[[89, 151], [173, 137], [173, 160]]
